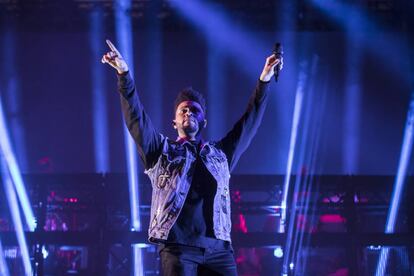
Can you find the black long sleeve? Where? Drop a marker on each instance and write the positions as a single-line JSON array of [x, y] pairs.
[[239, 137], [147, 139]]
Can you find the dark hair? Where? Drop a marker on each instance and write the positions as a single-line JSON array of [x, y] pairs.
[[189, 94]]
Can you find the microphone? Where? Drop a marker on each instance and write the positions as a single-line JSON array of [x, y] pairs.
[[278, 52]]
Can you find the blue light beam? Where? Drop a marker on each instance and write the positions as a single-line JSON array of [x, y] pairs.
[[352, 107], [13, 168], [216, 100], [341, 12], [124, 39], [293, 237], [405, 156], [4, 270], [99, 107], [226, 35], [14, 210], [292, 144], [12, 93]]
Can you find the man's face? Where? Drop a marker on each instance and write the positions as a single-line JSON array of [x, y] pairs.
[[189, 119]]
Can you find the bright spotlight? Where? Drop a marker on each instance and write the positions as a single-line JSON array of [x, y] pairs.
[[278, 252]]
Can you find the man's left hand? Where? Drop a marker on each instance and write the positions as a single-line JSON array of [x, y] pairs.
[[268, 69]]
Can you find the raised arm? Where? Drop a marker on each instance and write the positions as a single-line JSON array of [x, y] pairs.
[[239, 137], [147, 139]]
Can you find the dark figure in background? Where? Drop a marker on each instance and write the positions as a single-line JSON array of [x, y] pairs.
[[190, 207]]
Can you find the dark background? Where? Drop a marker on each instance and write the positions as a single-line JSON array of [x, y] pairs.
[[46, 66]]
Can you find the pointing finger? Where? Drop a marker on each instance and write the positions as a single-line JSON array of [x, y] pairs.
[[111, 45], [113, 48]]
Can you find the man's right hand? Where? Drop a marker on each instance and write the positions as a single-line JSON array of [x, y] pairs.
[[115, 59]]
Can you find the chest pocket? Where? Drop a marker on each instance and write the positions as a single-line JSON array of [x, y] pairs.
[[216, 161], [219, 159], [171, 164]]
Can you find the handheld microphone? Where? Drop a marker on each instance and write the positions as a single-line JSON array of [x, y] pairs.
[[278, 52]]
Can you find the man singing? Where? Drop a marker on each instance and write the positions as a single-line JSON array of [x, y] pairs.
[[190, 207]]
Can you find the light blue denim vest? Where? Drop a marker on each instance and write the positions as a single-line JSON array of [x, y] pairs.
[[171, 178]]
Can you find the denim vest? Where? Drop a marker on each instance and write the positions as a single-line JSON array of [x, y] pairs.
[[171, 178]]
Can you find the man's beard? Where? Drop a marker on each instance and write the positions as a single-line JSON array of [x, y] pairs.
[[193, 126]]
